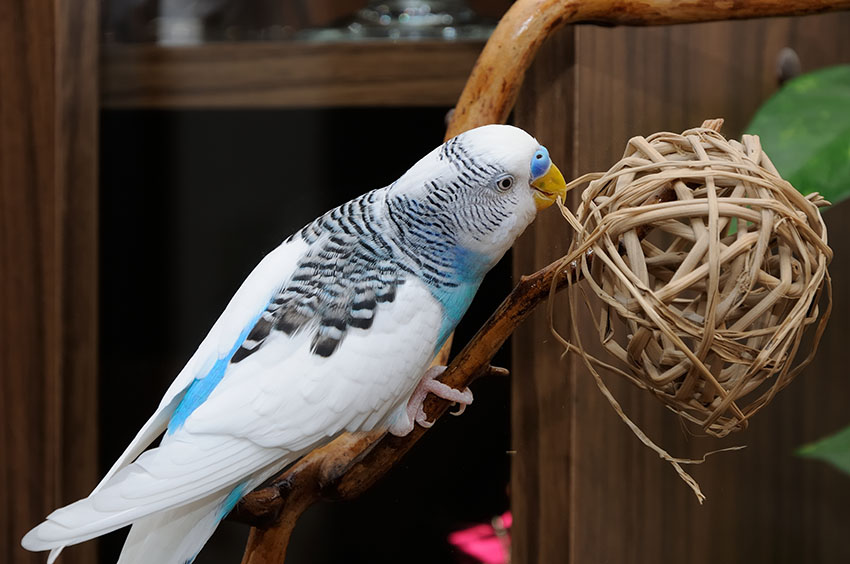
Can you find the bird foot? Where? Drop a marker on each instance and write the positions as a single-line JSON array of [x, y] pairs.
[[414, 412]]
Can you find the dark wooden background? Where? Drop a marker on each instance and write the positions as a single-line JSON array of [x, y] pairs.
[[48, 263], [584, 489]]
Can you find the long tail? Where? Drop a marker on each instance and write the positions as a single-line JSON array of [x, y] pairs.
[[174, 536], [174, 495], [177, 535]]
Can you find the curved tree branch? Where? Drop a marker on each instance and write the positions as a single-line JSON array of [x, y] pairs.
[[493, 85], [352, 463]]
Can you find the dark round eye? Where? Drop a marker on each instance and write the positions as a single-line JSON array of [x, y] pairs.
[[505, 182], [539, 156]]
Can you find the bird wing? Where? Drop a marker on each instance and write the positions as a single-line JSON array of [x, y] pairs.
[[270, 409], [241, 312], [287, 394], [176, 473], [329, 333]]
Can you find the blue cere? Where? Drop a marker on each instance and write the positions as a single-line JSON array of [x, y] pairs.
[[540, 163], [201, 388]]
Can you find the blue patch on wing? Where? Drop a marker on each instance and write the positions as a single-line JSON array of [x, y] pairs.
[[201, 388], [231, 500], [540, 163]]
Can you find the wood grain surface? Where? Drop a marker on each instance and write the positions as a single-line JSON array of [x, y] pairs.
[[584, 489], [48, 275], [286, 74]]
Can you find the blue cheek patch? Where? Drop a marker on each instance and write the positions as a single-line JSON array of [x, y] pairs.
[[540, 163]]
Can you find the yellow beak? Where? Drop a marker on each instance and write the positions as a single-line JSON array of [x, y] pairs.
[[548, 187]]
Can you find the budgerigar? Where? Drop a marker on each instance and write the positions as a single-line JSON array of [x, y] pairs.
[[333, 331]]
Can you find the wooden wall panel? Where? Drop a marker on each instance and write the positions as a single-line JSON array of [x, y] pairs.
[[541, 412], [616, 501], [48, 276]]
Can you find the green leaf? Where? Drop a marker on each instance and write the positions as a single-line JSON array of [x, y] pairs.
[[805, 130], [834, 449]]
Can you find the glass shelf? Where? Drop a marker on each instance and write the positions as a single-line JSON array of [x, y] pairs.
[[193, 22]]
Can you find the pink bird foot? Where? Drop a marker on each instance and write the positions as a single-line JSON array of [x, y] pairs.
[[414, 413]]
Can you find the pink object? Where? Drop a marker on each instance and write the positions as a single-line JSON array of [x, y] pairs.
[[489, 544]]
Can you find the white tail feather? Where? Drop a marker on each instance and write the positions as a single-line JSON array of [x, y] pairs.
[[174, 536]]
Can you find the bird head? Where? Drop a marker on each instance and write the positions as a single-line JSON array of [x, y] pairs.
[[482, 188]]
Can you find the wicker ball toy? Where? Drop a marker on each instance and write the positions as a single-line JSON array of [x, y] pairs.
[[709, 269]]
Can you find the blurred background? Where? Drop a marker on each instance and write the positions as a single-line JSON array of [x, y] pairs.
[[177, 22], [152, 151]]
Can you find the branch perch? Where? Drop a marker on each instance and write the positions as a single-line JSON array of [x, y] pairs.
[[351, 464]]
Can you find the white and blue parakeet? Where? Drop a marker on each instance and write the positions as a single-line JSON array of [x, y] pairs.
[[331, 332]]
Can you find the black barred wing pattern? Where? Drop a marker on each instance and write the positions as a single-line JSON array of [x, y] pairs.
[[347, 271]]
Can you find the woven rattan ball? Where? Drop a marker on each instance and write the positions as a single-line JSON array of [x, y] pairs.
[[709, 268]]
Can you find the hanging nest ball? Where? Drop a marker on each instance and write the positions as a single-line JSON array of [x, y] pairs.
[[709, 268]]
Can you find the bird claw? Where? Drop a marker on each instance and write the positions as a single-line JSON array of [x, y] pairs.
[[415, 413], [422, 419]]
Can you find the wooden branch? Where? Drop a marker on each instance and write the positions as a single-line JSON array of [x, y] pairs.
[[492, 88], [352, 463]]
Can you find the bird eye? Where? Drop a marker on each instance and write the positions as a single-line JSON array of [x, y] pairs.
[[504, 183]]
